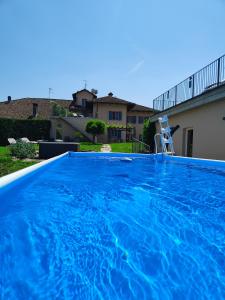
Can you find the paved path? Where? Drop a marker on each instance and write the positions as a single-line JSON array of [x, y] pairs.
[[106, 148]]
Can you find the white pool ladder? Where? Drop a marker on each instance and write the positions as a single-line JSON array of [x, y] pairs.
[[165, 136]]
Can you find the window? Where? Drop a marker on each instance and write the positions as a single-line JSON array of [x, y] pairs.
[[141, 119], [114, 134], [115, 115], [84, 103], [131, 119], [35, 109]]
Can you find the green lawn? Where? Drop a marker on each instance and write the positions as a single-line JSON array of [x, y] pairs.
[[116, 147], [87, 146], [121, 147], [8, 165], [4, 151]]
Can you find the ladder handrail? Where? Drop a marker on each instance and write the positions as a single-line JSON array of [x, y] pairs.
[[142, 143], [156, 147], [165, 136]]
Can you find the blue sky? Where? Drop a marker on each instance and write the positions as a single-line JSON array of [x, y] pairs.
[[136, 49]]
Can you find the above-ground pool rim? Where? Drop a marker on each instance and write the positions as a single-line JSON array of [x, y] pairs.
[[10, 178]]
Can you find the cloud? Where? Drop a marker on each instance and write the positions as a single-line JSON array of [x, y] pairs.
[[136, 67]]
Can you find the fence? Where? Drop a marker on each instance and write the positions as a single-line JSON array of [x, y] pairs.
[[209, 77]]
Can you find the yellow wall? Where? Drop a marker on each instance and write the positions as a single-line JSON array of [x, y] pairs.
[[208, 130]]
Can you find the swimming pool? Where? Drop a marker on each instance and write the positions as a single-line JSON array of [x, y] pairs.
[[94, 226]]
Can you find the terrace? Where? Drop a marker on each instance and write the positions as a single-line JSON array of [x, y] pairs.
[[208, 78]]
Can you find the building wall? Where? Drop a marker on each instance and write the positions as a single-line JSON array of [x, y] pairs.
[[23, 108], [83, 95], [101, 111], [208, 130], [138, 127], [65, 129]]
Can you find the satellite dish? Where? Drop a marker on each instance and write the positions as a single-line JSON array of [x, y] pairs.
[[94, 91]]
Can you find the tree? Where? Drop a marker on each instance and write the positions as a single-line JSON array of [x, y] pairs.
[[60, 111], [95, 128], [149, 131]]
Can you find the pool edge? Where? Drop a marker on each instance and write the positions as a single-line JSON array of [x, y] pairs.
[[7, 179]]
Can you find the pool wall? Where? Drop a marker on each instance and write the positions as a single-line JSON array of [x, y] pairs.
[[193, 160], [7, 179], [13, 177]]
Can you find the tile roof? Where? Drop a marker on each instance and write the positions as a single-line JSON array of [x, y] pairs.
[[112, 100], [131, 106], [138, 107]]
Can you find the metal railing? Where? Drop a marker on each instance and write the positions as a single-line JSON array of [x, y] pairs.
[[209, 77], [139, 146]]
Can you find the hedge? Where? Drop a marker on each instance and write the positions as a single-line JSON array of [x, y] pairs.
[[149, 132], [32, 129]]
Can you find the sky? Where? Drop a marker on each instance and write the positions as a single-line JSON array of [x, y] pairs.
[[136, 49]]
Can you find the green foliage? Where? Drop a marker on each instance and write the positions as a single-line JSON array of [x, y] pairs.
[[149, 131], [7, 165], [95, 127], [79, 137], [22, 150], [58, 110], [117, 126], [32, 129]]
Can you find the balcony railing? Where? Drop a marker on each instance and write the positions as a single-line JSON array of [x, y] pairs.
[[209, 77], [140, 147]]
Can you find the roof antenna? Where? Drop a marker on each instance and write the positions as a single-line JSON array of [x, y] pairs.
[[49, 92], [85, 84]]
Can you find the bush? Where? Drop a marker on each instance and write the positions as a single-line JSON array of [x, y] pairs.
[[22, 150], [58, 110], [95, 127], [32, 129], [149, 131]]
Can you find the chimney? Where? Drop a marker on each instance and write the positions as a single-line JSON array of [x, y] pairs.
[[9, 99], [110, 94]]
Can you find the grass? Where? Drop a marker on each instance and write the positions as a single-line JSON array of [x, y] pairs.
[[8, 165], [116, 147], [87, 146], [121, 147], [4, 151]]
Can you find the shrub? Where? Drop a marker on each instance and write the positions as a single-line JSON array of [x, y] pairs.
[[22, 150], [32, 129], [149, 131], [58, 110], [95, 128]]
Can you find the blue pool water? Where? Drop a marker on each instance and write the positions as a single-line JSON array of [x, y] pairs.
[[98, 228]]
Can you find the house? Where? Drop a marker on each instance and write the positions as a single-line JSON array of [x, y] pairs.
[[200, 120], [125, 119], [29, 108]]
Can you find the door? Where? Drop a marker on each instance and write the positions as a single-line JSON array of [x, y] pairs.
[[189, 142]]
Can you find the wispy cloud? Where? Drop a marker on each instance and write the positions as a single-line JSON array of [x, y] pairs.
[[136, 67]]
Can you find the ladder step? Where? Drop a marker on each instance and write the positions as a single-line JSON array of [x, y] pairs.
[[166, 130], [168, 141]]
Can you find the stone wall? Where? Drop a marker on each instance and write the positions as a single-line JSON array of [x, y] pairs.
[[23, 108]]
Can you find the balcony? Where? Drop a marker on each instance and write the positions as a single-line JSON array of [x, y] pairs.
[[208, 78]]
